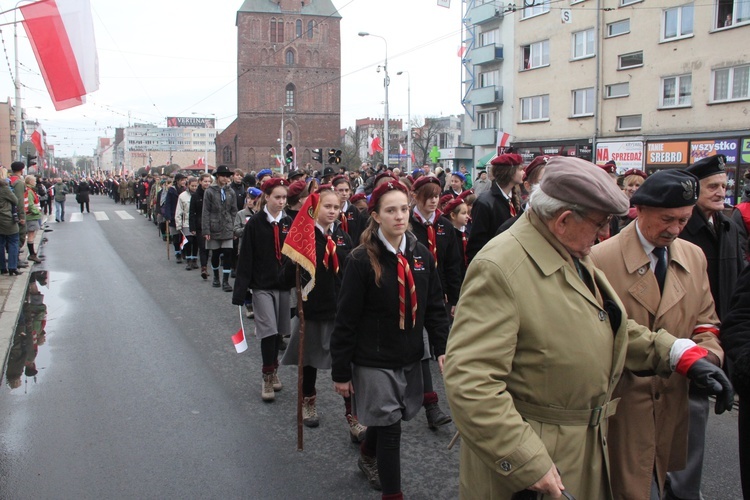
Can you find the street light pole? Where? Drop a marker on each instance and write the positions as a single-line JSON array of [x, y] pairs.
[[386, 82], [408, 118]]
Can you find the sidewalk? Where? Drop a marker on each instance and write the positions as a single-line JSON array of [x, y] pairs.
[[12, 294]]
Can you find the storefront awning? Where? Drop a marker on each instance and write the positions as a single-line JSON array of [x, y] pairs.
[[484, 160]]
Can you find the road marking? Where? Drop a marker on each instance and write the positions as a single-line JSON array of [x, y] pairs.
[[101, 216], [76, 217], [123, 214]]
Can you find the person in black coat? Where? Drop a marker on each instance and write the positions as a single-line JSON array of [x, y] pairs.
[[173, 193], [719, 239], [735, 339], [82, 196], [195, 221], [351, 219], [497, 205], [390, 292], [332, 247]]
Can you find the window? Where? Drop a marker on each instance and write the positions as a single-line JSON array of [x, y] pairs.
[[677, 22], [623, 3], [290, 95], [583, 44], [731, 12], [535, 55], [538, 7], [489, 78], [535, 108], [731, 84], [629, 122], [617, 90], [310, 29], [632, 60], [618, 28], [289, 56], [486, 119], [277, 30], [298, 28], [583, 102], [676, 91], [487, 37], [226, 154]]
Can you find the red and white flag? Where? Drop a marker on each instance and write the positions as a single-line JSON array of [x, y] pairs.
[[374, 145], [36, 140], [200, 162], [503, 138], [401, 149], [61, 33], [238, 339]]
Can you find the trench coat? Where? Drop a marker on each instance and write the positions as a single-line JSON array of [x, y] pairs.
[[532, 360], [650, 428]]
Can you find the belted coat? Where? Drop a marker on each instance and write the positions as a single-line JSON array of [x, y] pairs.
[[533, 358], [650, 427]]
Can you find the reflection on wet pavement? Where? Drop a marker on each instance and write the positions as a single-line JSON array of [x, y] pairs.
[[30, 335]]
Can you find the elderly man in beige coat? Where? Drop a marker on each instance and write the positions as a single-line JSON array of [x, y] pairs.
[[648, 435], [540, 341]]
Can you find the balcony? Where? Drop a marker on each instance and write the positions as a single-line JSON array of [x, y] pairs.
[[488, 54], [486, 95], [485, 13], [483, 137]]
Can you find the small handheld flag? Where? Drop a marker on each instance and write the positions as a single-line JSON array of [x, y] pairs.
[[239, 340]]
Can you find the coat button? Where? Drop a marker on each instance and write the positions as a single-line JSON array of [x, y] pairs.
[[602, 315], [505, 465], [642, 270]]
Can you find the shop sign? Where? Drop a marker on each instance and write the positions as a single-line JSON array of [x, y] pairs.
[[745, 151], [626, 155], [704, 149], [667, 153]]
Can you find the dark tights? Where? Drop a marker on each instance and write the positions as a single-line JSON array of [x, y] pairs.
[[385, 444], [309, 377], [426, 376], [223, 255], [269, 352]]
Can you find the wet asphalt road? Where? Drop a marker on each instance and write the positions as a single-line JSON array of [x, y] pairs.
[[140, 393]]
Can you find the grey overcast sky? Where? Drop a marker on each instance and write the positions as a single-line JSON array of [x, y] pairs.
[[160, 58]]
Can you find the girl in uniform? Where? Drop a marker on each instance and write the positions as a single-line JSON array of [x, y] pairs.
[[458, 213], [390, 292], [332, 246], [259, 269]]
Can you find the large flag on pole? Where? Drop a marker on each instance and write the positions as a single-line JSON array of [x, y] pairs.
[[36, 140], [61, 33], [299, 244]]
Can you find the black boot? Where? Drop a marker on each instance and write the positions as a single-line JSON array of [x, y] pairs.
[[216, 283], [225, 283], [435, 416], [178, 258]]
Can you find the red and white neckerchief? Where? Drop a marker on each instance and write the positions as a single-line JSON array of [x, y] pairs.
[[405, 280], [465, 242], [431, 239], [274, 221], [344, 222], [330, 259]]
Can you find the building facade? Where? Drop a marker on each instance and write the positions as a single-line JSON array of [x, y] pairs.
[[288, 83]]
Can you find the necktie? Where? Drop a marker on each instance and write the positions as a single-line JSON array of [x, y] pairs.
[[660, 271], [465, 242], [330, 259], [344, 222], [512, 208], [276, 243], [405, 279], [223, 195], [431, 240]]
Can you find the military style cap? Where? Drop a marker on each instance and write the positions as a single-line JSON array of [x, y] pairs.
[[672, 188], [708, 166], [270, 184], [507, 159], [423, 181], [577, 181], [381, 190], [535, 164]]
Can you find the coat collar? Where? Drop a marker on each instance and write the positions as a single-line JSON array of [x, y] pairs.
[[635, 257]]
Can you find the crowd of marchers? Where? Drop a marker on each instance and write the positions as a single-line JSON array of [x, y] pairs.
[[583, 318]]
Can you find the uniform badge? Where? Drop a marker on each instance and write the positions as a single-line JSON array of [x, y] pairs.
[[689, 192], [418, 264]]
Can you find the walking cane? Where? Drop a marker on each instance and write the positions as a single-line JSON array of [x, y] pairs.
[[300, 362]]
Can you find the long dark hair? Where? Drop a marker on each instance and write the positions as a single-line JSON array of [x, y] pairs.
[[368, 240]]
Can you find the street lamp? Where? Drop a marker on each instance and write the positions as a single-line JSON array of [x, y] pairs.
[[408, 126], [386, 82]]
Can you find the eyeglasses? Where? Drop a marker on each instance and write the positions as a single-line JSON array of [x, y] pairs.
[[599, 225]]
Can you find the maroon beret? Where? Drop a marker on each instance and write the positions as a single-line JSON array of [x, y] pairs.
[[535, 164], [423, 181], [381, 190], [609, 167], [507, 159], [359, 196], [339, 179], [445, 199], [270, 184], [324, 187], [635, 171], [386, 173], [453, 204]]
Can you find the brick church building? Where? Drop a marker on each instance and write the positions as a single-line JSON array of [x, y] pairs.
[[288, 68]]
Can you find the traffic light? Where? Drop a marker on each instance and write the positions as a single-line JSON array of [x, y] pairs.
[[289, 154], [30, 161], [334, 156], [317, 155]]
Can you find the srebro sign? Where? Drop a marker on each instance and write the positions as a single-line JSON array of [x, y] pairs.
[[667, 153]]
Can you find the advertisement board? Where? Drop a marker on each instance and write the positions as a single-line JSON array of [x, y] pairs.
[[666, 153], [745, 151], [704, 149], [626, 155], [191, 122]]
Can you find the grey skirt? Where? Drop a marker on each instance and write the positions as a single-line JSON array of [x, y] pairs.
[[213, 244], [384, 396], [317, 345], [271, 308]]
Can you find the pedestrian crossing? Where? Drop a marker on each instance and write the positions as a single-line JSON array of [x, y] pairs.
[[100, 216]]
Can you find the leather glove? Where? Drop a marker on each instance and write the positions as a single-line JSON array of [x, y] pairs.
[[707, 376]]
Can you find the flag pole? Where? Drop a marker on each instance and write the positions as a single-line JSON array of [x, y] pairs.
[[300, 361]]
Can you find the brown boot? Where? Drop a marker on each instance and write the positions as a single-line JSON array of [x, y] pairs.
[[267, 393], [204, 272], [357, 431], [309, 412]]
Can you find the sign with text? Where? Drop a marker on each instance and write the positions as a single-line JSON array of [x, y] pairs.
[[704, 149], [667, 153], [745, 151], [191, 122], [626, 155]]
